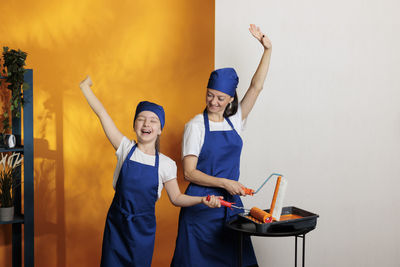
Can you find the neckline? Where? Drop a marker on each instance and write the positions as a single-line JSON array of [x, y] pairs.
[[144, 153]]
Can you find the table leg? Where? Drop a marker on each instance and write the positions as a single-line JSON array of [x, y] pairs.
[[304, 249], [295, 251]]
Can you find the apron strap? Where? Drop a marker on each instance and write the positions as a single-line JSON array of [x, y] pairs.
[[131, 152], [157, 160], [206, 122]]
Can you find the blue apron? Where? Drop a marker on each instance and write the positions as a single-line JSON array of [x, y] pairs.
[[203, 239], [131, 225]]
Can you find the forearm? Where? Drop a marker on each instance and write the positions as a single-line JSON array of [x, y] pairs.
[[177, 198], [182, 200], [257, 82], [93, 101], [200, 178], [111, 131]]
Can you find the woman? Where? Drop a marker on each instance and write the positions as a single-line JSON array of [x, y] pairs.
[[211, 158], [139, 177]]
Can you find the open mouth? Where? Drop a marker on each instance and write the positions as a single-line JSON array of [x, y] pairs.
[[146, 132]]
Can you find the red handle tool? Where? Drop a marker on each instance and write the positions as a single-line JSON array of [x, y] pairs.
[[248, 191], [227, 204], [223, 202]]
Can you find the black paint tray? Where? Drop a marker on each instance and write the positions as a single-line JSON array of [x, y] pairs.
[[292, 220]]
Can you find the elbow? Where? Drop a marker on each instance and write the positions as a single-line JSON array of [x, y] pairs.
[[188, 175], [174, 202], [257, 86]]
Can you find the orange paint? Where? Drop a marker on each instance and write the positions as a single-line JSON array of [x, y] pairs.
[[259, 214], [288, 217], [161, 51]]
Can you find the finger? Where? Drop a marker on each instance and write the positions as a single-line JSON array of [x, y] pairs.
[[241, 191]]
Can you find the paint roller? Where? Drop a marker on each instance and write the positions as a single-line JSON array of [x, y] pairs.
[[276, 204]]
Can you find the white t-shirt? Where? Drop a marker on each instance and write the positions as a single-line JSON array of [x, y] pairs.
[[193, 136], [166, 169]]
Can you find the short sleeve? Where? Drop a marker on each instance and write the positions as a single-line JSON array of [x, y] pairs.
[[193, 138], [124, 148], [121, 153], [168, 169], [237, 121]]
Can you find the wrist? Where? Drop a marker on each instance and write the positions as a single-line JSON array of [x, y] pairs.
[[267, 49], [222, 183], [84, 86]]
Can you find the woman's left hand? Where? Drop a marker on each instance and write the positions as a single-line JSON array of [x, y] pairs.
[[213, 202], [257, 33]]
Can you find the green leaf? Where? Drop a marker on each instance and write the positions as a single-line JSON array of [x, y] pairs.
[[25, 86]]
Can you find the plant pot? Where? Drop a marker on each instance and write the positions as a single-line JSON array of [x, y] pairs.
[[7, 214]]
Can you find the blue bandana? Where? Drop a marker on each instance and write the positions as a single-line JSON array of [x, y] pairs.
[[224, 80], [149, 106]]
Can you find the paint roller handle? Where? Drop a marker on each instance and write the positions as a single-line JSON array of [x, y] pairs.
[[223, 202], [248, 191]]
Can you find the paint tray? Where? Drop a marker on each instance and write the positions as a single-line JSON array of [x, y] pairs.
[[292, 220]]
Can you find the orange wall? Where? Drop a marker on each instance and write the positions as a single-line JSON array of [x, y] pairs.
[[160, 51]]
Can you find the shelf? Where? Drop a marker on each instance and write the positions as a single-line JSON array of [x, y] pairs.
[[15, 149], [23, 224], [17, 219]]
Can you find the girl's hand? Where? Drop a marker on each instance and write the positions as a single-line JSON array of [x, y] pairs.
[[256, 32], [233, 187], [213, 201], [86, 82]]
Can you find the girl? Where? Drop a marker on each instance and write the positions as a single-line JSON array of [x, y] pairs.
[[211, 159], [139, 177]]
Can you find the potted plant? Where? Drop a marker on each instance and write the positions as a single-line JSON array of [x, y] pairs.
[[10, 179], [13, 74]]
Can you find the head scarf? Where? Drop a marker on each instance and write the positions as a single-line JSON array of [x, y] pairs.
[[224, 80], [149, 106]]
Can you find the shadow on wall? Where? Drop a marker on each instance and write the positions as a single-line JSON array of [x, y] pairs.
[[49, 185], [134, 50]]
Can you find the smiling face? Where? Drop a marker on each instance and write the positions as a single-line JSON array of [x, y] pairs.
[[217, 101], [147, 127]]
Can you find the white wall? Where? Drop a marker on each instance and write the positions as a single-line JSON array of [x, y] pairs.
[[328, 119]]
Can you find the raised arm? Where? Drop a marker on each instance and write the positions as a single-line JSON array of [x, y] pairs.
[[257, 82], [111, 131], [198, 177]]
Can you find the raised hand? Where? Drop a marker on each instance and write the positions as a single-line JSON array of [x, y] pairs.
[[86, 82], [260, 36]]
